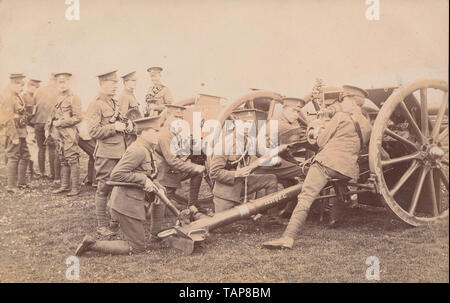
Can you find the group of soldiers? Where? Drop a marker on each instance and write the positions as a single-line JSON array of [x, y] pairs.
[[137, 148]]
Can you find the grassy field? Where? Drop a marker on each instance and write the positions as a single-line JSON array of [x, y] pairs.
[[38, 231]]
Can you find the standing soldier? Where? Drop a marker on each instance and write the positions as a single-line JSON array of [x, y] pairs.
[[104, 125], [30, 105], [127, 101], [128, 105], [28, 96], [339, 141], [14, 118], [175, 168], [158, 95], [44, 99], [128, 204], [66, 114]]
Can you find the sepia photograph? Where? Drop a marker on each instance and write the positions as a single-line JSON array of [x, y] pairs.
[[223, 143]]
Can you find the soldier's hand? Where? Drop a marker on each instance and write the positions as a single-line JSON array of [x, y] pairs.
[[149, 185], [159, 186], [15, 141], [200, 169], [130, 127], [120, 126], [243, 172], [56, 123]]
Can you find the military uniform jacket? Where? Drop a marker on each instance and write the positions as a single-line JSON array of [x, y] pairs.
[[134, 167], [30, 102], [13, 115], [339, 143], [226, 186], [67, 111], [110, 144], [159, 95], [171, 166], [126, 101], [222, 168], [44, 99]]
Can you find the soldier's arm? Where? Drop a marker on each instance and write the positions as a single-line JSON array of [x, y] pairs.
[[96, 129], [173, 161], [123, 103], [218, 172], [12, 115], [168, 99], [328, 132], [76, 114], [123, 171]]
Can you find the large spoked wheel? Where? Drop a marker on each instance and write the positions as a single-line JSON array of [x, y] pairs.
[[408, 152]]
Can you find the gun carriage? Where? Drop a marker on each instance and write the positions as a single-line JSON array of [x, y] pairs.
[[404, 167]]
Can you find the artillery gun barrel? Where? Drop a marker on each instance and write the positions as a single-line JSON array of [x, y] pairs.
[[238, 212]]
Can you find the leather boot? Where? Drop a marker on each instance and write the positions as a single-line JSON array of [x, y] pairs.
[[65, 180], [157, 216], [41, 161], [22, 173], [75, 178], [283, 242], [57, 164], [117, 247], [194, 189], [11, 171]]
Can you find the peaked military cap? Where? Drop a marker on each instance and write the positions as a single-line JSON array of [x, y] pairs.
[[146, 123], [349, 90], [34, 81], [129, 76], [176, 110], [17, 76], [154, 68], [295, 103], [109, 76], [63, 74]]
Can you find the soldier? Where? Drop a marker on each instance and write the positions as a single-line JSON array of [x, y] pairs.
[[66, 114], [104, 125], [30, 105], [28, 96], [175, 168], [15, 118], [44, 99], [291, 115], [128, 105], [231, 173], [158, 95], [290, 118], [339, 141], [127, 203], [127, 100]]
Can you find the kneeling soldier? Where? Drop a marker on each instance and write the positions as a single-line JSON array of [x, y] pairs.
[[128, 204], [173, 167], [339, 141]]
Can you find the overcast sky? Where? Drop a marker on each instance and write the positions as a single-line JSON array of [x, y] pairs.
[[226, 47]]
